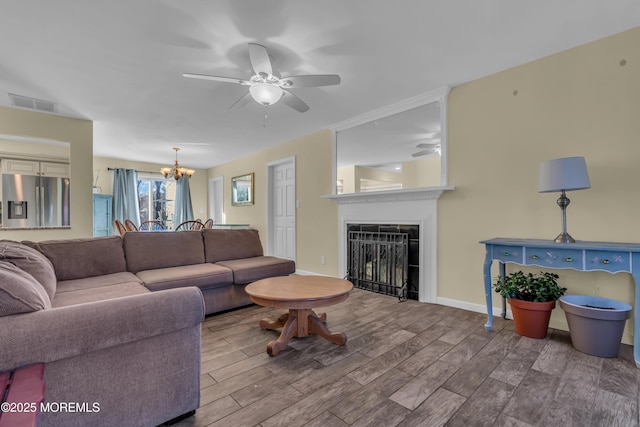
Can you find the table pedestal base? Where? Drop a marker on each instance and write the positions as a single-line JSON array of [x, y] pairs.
[[300, 323]]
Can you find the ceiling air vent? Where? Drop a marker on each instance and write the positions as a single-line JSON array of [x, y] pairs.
[[32, 103]]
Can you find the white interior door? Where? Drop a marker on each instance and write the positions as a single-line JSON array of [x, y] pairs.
[[283, 209], [216, 199]]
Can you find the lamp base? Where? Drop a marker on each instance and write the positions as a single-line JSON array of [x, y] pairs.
[[564, 238]]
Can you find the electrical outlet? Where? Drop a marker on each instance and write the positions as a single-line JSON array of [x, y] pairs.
[[322, 260]]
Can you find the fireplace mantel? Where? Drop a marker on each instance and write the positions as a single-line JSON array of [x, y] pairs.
[[421, 193], [412, 206]]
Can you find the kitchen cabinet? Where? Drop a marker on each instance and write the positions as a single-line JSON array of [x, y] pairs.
[[30, 167]]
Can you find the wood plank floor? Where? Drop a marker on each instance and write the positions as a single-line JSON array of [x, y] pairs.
[[407, 364]]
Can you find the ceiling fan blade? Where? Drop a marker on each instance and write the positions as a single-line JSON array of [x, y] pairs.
[[260, 59], [244, 100], [312, 80], [422, 153], [217, 78], [294, 102], [431, 145]]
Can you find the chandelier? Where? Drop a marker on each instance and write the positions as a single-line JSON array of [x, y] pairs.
[[176, 171]]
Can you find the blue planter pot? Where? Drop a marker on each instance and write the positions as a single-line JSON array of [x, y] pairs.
[[596, 324]]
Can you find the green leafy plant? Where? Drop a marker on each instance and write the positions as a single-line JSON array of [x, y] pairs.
[[542, 287]]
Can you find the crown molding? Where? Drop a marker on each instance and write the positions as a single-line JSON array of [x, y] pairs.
[[439, 94]]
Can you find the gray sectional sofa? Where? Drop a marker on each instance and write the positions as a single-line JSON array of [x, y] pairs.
[[117, 320]]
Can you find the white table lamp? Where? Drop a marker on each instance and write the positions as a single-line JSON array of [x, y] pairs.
[[565, 174]]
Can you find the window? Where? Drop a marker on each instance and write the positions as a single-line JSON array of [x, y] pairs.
[[156, 197]]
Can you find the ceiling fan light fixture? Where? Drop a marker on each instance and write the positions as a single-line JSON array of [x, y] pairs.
[[265, 93]]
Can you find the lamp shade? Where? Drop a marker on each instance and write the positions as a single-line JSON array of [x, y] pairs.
[[567, 173]]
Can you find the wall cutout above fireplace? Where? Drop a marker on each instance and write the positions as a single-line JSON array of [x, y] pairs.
[[398, 147]]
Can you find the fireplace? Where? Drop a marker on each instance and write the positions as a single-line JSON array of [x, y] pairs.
[[411, 207], [384, 258]]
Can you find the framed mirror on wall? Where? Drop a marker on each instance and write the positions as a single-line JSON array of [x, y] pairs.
[[402, 146], [242, 190]]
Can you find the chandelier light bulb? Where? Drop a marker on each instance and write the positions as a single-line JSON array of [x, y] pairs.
[[176, 171]]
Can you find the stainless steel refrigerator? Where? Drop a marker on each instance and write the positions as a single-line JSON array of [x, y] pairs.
[[34, 201]]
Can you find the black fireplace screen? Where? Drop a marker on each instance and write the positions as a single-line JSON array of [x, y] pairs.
[[379, 262]]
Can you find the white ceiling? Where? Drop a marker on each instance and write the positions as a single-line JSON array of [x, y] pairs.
[[119, 62]]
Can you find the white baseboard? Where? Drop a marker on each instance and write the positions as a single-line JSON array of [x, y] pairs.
[[627, 337], [308, 273], [464, 305]]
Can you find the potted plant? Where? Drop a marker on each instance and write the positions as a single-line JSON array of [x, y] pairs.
[[532, 297]]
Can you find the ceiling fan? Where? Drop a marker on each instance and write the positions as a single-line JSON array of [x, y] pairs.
[[433, 147], [266, 86]]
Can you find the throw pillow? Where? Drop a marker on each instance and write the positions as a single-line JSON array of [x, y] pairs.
[[20, 292], [31, 261]]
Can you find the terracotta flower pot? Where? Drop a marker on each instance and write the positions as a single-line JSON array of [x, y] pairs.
[[531, 319]]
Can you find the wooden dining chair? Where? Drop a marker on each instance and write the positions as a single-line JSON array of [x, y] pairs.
[[121, 227], [152, 226], [130, 225], [208, 223], [192, 224]]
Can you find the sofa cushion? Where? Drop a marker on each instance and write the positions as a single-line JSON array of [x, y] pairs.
[[31, 261], [81, 296], [222, 245], [20, 292], [251, 269], [85, 257], [204, 276], [97, 282], [152, 250]]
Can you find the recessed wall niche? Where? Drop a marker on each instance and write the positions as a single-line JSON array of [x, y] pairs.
[[35, 183], [402, 146]]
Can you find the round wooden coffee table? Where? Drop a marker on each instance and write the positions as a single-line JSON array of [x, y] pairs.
[[299, 294]]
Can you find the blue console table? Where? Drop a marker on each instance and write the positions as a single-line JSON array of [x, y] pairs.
[[582, 256]]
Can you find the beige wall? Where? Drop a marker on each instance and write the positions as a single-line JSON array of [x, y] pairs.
[[79, 134], [35, 150], [197, 185], [580, 102], [421, 173], [316, 218], [417, 173], [347, 174]]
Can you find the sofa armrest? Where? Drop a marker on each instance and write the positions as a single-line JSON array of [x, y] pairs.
[[59, 333]]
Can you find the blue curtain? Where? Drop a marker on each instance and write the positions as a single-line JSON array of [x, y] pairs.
[[125, 195], [183, 210]]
